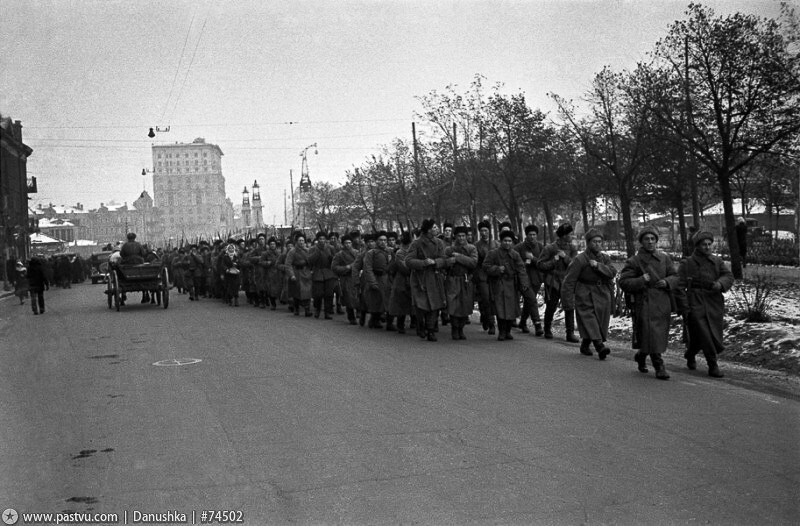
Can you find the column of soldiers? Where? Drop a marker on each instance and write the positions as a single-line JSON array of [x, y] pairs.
[[428, 278]]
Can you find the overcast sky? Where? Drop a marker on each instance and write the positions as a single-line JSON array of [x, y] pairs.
[[264, 79]]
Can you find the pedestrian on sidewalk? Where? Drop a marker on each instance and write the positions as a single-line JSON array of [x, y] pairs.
[[703, 278], [588, 289], [649, 276], [37, 284]]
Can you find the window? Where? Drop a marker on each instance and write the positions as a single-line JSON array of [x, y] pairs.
[[159, 155], [186, 155]]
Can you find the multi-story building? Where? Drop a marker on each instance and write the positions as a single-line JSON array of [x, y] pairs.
[[15, 225], [189, 190]]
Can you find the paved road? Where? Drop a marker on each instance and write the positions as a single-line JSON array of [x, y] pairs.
[[296, 420]]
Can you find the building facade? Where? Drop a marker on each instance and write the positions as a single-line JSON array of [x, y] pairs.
[[15, 224], [189, 190]]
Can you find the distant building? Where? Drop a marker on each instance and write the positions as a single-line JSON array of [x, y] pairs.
[[15, 225], [189, 189]]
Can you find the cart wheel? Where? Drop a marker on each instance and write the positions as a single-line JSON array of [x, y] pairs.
[[109, 293], [117, 294], [165, 287]]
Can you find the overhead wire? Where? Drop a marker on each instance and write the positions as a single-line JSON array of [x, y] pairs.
[[178, 68], [186, 77]]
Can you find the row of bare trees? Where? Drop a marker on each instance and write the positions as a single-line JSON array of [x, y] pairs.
[[713, 114]]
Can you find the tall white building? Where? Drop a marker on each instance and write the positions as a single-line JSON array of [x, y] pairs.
[[189, 189]]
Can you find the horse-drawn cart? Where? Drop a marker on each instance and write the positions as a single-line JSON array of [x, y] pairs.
[[146, 277]]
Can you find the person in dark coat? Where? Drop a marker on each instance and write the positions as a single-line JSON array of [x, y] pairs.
[[377, 286], [553, 264], [323, 278], [507, 281], [272, 275], [400, 296], [193, 272], [230, 263], [530, 251], [285, 296], [342, 266], [37, 284], [483, 246], [359, 278], [702, 280], [300, 275], [650, 276], [462, 259], [427, 263], [132, 252], [741, 239], [588, 289], [63, 272]]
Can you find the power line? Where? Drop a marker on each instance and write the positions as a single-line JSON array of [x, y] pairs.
[[266, 123], [186, 77], [178, 68], [138, 141]]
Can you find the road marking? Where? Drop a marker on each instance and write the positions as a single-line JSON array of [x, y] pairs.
[[172, 362]]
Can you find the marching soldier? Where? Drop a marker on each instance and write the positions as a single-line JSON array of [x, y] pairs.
[[555, 259], [342, 265], [376, 282], [400, 296], [256, 257], [274, 281], [299, 273], [483, 246], [231, 261], [427, 262], [587, 290], [507, 280], [324, 279], [530, 251], [702, 279], [462, 258], [649, 276]]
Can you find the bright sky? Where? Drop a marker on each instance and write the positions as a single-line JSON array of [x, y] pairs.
[[264, 79]]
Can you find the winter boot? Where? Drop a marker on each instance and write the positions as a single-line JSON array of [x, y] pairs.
[[602, 350], [585, 349], [641, 361], [538, 328]]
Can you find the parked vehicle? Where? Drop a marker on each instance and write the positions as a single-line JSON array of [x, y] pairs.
[[99, 263]]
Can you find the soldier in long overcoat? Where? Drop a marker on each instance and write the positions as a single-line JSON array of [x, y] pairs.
[[650, 276], [377, 286], [285, 295], [507, 280], [400, 296], [259, 284], [300, 274], [358, 276], [274, 280], [323, 278], [427, 263], [588, 289], [462, 259], [553, 264], [193, 272], [342, 265], [483, 246], [702, 279], [247, 268], [37, 283], [530, 251], [230, 263]]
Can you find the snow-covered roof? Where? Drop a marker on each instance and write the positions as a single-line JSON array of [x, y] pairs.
[[84, 243], [754, 206], [49, 223], [41, 238], [62, 209]]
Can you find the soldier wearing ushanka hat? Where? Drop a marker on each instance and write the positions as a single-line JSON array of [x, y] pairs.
[[484, 245], [553, 264], [507, 280], [649, 276], [462, 258], [342, 266], [269, 261], [588, 290], [702, 279], [530, 250], [323, 278], [426, 261]]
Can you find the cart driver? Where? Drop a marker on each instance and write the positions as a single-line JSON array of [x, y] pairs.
[[132, 252]]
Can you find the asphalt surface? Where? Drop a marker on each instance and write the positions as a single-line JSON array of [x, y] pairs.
[[298, 420]]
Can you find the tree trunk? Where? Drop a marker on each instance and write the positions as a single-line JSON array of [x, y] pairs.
[[627, 222], [730, 222], [548, 217], [585, 215]]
